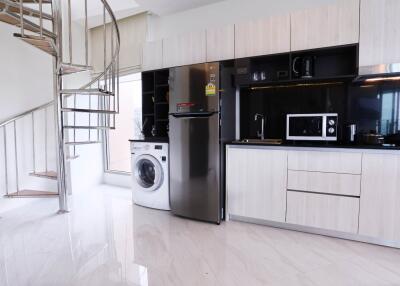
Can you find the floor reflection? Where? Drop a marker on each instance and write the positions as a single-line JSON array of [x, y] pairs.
[[93, 245], [106, 241]]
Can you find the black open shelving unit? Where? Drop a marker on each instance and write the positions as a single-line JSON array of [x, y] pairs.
[[330, 64], [155, 103]]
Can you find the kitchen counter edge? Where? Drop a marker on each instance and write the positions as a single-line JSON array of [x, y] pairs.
[[363, 148]]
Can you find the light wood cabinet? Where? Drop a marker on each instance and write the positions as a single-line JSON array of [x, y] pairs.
[[323, 211], [380, 197], [185, 49], [256, 183], [329, 25], [329, 162], [221, 43], [262, 37], [327, 183], [152, 55], [379, 32]]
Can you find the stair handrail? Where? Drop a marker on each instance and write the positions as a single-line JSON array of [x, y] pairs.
[[114, 58], [25, 113]]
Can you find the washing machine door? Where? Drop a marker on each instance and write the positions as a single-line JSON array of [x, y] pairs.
[[148, 173]]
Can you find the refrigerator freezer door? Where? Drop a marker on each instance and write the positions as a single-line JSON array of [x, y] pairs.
[[194, 88], [194, 167]]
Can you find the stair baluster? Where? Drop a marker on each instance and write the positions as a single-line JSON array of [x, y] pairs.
[[50, 41]]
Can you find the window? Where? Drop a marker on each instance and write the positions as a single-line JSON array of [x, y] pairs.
[[128, 124]]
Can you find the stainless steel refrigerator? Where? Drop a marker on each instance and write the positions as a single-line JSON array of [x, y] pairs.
[[196, 142]]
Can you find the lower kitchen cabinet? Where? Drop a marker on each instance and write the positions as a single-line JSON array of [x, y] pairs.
[[380, 197], [326, 183], [256, 183], [325, 161], [329, 212]]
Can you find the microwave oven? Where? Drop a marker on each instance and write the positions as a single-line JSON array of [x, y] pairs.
[[312, 127]]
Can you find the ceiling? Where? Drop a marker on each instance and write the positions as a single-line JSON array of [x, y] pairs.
[[126, 8], [164, 7]]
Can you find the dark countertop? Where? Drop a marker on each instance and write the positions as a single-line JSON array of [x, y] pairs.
[[319, 145], [151, 140]]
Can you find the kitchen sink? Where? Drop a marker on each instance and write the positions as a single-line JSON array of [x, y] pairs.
[[260, 141]]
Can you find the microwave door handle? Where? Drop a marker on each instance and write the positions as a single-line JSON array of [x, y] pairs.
[[324, 124]]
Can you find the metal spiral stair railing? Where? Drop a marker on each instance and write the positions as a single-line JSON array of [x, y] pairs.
[[102, 91]]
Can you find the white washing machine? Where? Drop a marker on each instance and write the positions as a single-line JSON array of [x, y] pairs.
[[150, 172]]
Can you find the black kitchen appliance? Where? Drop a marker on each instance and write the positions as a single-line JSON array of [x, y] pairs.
[[370, 138], [303, 67]]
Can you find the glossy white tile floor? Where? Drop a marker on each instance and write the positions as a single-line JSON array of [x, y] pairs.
[[106, 241]]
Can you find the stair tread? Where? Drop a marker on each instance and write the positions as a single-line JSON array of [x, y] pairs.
[[43, 43], [14, 19], [33, 1], [88, 127], [82, 143], [67, 68], [86, 91], [82, 110], [31, 193], [13, 7], [48, 174]]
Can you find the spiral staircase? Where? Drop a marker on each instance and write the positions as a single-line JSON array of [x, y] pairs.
[[47, 26]]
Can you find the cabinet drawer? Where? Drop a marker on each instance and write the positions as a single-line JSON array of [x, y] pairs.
[[329, 162], [330, 183], [323, 211]]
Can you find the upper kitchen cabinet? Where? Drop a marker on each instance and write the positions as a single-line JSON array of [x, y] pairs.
[[380, 197], [262, 37], [331, 25], [185, 49], [152, 55], [221, 43], [379, 32]]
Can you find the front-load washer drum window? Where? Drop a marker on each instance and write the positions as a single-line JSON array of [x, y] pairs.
[[148, 172]]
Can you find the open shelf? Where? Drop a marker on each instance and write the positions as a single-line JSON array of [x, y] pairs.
[[155, 92], [329, 64]]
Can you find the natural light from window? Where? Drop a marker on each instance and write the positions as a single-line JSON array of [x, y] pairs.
[[128, 123]]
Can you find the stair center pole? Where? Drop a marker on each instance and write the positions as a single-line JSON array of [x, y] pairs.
[[41, 17], [21, 12], [57, 61]]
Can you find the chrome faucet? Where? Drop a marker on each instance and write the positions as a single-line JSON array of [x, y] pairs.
[[256, 117]]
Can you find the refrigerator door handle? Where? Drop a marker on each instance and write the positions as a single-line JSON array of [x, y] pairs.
[[192, 115]]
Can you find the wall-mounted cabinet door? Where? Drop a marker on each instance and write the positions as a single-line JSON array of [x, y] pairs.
[[152, 55], [185, 49], [330, 25], [262, 37], [221, 43], [379, 32], [256, 183], [380, 197]]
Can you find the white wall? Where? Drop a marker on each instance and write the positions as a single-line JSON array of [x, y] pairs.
[[26, 75], [119, 180], [221, 13], [26, 80]]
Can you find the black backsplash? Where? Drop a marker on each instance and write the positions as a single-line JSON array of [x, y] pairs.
[[372, 108]]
